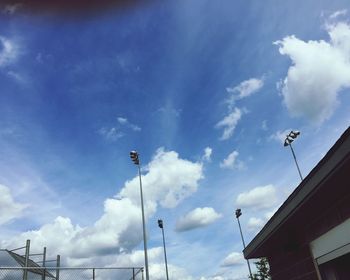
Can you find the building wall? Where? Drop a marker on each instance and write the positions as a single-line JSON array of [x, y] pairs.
[[296, 264], [294, 261]]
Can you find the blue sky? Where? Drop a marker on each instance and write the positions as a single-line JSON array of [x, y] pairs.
[[204, 91]]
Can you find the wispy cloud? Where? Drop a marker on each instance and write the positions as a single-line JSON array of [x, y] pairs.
[[231, 162], [8, 51], [199, 217], [244, 89], [110, 134], [125, 122], [338, 14], [207, 154], [229, 123], [9, 209], [119, 130]]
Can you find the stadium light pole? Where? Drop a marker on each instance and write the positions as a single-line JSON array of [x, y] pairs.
[[135, 158], [160, 224], [238, 214], [288, 142]]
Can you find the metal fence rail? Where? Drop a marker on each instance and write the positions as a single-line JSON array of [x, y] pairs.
[[71, 273]]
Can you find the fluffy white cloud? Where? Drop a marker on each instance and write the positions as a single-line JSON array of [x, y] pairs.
[[244, 89], [199, 217], [258, 198], [8, 51], [231, 162], [319, 71], [167, 181], [207, 154], [229, 123], [233, 259], [9, 209]]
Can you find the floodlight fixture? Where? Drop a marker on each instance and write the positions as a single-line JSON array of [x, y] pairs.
[[238, 213], [135, 157]]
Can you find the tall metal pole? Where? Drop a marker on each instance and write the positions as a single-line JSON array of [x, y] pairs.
[[166, 261], [143, 225], [295, 159], [240, 230]]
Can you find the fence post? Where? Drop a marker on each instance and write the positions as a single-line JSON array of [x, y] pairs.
[[93, 274], [58, 267], [133, 273], [44, 264], [25, 272]]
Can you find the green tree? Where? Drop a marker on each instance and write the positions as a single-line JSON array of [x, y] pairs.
[[263, 270]]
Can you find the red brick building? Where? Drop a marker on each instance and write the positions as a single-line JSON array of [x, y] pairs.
[[308, 238]]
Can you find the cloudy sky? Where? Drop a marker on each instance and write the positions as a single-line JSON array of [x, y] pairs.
[[205, 91]]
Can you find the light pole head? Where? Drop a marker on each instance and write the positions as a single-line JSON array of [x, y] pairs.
[[135, 157], [238, 213], [294, 134], [160, 223], [290, 137]]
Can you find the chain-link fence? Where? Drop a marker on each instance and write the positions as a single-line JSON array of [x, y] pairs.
[[69, 273]]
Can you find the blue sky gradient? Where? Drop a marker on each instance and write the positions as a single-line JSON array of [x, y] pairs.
[[77, 94]]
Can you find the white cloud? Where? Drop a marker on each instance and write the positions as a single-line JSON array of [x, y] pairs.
[[8, 51], [199, 217], [122, 120], [9, 209], [229, 123], [114, 133], [258, 198], [111, 134], [231, 162], [207, 154], [338, 14], [255, 224], [264, 125], [167, 181], [319, 71], [233, 259], [125, 122], [244, 89]]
